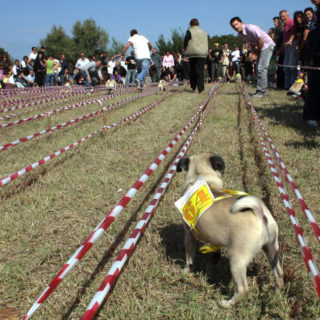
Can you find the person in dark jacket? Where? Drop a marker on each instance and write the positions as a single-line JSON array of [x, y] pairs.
[[156, 63], [39, 69], [311, 110], [216, 62], [196, 46]]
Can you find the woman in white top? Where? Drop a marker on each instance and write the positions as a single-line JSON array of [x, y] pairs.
[[235, 58]]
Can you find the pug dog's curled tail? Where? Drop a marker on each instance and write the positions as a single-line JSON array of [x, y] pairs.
[[249, 203]]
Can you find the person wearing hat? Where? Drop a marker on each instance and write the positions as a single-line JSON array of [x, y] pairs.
[[216, 62], [196, 49]]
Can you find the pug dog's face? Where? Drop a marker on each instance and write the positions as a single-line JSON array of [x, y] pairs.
[[206, 165]]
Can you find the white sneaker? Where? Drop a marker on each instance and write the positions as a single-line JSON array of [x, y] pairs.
[[259, 95]]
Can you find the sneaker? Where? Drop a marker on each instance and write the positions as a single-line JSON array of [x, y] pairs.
[[312, 123], [259, 95], [138, 84]]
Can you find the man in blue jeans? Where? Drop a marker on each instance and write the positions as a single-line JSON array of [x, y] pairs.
[[262, 47], [141, 47]]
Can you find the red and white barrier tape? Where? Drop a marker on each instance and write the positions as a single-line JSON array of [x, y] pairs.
[[66, 108], [25, 102], [65, 124], [289, 179], [275, 79], [4, 93], [107, 221], [61, 91], [50, 104], [21, 172], [253, 65], [305, 250], [41, 99], [76, 97], [127, 249], [53, 90], [38, 102]]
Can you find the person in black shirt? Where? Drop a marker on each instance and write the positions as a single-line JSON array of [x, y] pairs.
[[131, 72], [64, 69], [216, 62], [172, 75]]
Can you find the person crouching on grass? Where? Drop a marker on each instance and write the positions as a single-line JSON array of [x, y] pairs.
[[262, 49]]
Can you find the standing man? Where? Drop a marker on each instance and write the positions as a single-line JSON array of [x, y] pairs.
[[131, 69], [196, 46], [216, 62], [141, 47], [64, 70], [111, 64], [157, 62], [81, 65], [33, 55], [262, 47]]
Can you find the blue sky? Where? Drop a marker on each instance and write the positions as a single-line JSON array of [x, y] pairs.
[[25, 23]]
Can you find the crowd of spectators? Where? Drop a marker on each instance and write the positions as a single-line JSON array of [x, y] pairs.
[[39, 69], [298, 45]]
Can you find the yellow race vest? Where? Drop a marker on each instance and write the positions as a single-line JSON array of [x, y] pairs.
[[197, 200]]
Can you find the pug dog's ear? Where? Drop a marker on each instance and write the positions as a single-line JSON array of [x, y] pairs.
[[183, 164], [217, 163]]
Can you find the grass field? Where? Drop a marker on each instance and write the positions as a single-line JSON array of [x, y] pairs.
[[47, 213]]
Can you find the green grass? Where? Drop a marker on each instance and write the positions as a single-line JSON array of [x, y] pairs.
[[50, 211]]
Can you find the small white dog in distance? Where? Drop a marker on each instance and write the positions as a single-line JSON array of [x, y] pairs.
[[162, 85], [111, 86], [242, 224]]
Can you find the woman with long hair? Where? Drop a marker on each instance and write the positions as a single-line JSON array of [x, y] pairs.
[[39, 69], [301, 30]]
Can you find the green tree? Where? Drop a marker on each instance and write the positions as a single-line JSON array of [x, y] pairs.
[[89, 38], [57, 42], [177, 40], [230, 39], [162, 45], [175, 44], [115, 48]]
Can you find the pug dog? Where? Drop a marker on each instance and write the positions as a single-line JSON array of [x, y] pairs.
[[111, 86], [242, 224], [162, 85]]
